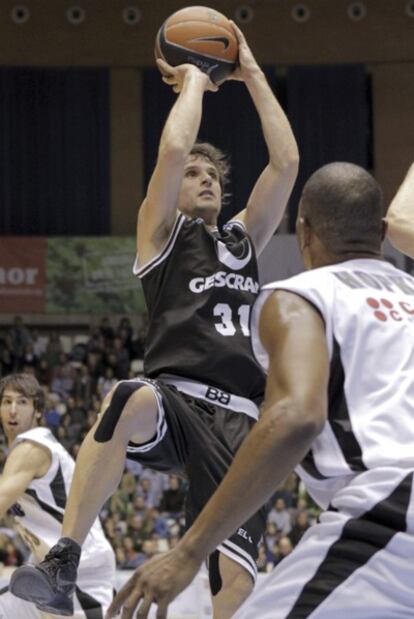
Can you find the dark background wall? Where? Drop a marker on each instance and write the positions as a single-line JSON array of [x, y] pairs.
[[82, 105]]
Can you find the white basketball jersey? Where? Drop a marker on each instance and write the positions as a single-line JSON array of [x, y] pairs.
[[368, 309], [39, 511]]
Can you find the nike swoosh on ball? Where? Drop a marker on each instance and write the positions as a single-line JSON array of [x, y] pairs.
[[223, 40]]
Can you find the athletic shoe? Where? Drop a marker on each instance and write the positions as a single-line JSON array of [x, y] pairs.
[[51, 584]]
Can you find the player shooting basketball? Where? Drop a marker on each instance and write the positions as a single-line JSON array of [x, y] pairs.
[[203, 386]]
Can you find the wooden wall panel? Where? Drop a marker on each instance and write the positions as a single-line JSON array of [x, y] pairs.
[[47, 38], [126, 150]]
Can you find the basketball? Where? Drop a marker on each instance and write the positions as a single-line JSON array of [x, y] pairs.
[[201, 36]]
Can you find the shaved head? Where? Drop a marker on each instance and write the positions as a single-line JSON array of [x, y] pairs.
[[343, 204]]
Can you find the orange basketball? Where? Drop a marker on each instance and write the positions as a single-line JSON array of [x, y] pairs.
[[201, 36]]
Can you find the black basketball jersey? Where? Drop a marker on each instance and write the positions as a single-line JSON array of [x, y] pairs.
[[199, 291]]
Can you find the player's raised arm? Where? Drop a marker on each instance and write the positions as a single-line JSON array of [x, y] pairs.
[[25, 462], [400, 216], [159, 209], [271, 192], [293, 335]]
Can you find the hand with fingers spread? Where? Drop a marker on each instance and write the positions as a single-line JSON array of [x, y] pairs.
[[175, 76], [158, 581]]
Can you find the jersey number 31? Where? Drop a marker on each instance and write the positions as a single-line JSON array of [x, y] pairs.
[[227, 325]]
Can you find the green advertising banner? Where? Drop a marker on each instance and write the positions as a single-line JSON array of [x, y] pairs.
[[91, 275]]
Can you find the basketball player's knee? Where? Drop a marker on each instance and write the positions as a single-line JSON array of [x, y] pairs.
[[123, 405]]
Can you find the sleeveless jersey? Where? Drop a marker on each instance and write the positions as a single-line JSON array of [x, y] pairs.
[[39, 511], [368, 309], [199, 291]]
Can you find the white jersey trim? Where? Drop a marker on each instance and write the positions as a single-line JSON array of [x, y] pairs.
[[161, 421], [240, 556], [141, 271], [236, 222]]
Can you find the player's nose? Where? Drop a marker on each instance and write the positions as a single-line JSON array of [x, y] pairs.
[[206, 179]]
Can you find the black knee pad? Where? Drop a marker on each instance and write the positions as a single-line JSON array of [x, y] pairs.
[[214, 577], [110, 417]]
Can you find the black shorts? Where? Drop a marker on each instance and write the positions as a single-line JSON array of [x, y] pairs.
[[199, 439]]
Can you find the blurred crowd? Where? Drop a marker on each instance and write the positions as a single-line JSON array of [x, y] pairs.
[[145, 516]]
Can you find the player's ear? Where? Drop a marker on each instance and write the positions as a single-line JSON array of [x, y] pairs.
[[303, 232]]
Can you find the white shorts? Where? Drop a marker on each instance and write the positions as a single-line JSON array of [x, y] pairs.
[[356, 563], [94, 594]]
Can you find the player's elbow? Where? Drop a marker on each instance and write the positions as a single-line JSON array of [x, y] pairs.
[[287, 166], [174, 148], [303, 418], [292, 159]]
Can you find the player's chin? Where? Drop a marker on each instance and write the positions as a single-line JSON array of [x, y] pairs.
[[206, 209]]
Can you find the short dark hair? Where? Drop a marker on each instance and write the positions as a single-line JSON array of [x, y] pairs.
[[218, 158], [344, 204], [27, 385]]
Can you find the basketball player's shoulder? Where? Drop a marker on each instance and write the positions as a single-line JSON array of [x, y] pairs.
[[319, 278], [30, 456]]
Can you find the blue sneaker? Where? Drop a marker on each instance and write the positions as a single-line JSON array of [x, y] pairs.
[[51, 584]]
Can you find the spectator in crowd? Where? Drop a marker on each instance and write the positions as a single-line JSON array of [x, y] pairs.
[[29, 359], [63, 376], [96, 342], [75, 409], [6, 355], [52, 415], [125, 332], [138, 344], [39, 343], [106, 330], [300, 526], [106, 383], [20, 338], [144, 490], [288, 491], [43, 372], [82, 385], [285, 547], [271, 537], [53, 349], [280, 516], [132, 558]]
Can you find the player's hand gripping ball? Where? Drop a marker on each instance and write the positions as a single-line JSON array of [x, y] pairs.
[[201, 36]]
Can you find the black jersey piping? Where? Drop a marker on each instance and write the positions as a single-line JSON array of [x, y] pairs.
[[45, 506], [90, 606], [360, 540], [57, 486], [338, 413]]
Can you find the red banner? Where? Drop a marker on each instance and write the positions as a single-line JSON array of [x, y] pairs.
[[22, 274]]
